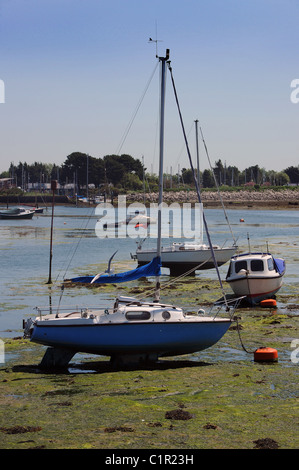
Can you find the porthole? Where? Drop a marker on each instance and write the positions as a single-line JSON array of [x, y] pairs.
[[165, 314]]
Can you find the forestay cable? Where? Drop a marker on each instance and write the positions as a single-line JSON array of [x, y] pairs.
[[135, 112]]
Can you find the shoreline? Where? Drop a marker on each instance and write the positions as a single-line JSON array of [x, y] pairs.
[[265, 199]]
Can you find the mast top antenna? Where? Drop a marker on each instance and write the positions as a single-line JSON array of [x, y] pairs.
[[155, 41]]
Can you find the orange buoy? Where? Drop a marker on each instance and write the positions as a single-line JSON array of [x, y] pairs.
[[268, 303], [242, 220], [264, 354]]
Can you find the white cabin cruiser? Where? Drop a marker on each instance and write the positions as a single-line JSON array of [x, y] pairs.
[[258, 276]]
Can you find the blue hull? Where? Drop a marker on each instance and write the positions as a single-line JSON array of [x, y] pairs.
[[162, 339]]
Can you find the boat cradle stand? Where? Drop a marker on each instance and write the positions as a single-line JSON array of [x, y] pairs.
[[59, 358], [56, 358]]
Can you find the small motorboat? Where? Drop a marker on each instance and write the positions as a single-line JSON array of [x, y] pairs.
[[258, 276], [17, 213]]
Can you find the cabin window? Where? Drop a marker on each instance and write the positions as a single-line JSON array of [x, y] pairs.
[[270, 264], [138, 315], [240, 265], [257, 265], [165, 314]]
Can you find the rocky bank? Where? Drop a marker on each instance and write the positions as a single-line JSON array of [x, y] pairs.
[[268, 197]]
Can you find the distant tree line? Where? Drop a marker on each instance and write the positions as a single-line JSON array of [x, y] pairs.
[[125, 173], [251, 176], [118, 171]]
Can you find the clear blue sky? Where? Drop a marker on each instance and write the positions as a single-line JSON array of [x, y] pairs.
[[75, 70]]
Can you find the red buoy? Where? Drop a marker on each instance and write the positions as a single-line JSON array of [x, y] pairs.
[[265, 354]]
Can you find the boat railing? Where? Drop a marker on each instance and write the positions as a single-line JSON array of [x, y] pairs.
[[68, 311], [221, 306], [230, 304]]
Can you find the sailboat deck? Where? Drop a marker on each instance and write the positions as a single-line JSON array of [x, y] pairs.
[[142, 313]]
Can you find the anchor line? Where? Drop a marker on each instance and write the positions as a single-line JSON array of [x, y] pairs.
[[239, 334]]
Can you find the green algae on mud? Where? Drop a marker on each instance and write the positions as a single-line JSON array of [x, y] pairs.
[[231, 400]]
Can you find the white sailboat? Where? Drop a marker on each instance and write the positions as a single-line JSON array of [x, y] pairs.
[[182, 257], [130, 329]]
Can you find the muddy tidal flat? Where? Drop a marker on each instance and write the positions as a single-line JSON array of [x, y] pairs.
[[218, 399]]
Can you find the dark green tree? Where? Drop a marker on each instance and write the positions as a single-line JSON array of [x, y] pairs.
[[75, 169], [131, 165], [187, 176], [293, 174], [219, 172], [114, 169], [208, 179]]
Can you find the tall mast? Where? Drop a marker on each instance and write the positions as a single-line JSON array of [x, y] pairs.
[[197, 152], [143, 177], [163, 61]]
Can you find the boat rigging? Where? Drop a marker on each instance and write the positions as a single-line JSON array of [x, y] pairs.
[[131, 330]]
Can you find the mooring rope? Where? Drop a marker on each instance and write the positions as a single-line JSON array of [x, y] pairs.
[[239, 334]]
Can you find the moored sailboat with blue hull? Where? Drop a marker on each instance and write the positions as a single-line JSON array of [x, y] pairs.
[[133, 328]]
